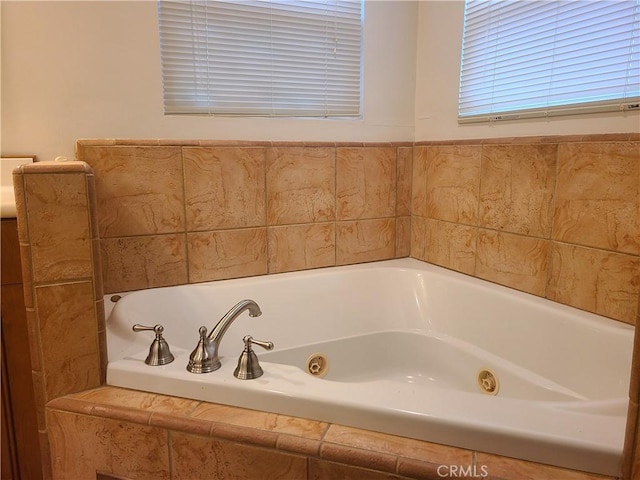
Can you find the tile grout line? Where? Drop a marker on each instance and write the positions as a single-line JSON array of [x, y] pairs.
[[170, 452], [185, 231], [335, 210], [552, 222], [265, 203]]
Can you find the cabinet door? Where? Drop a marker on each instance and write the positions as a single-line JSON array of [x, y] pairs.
[[19, 406], [9, 465]]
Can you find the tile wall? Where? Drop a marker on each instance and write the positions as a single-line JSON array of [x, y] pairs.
[[58, 238], [557, 217], [175, 214]]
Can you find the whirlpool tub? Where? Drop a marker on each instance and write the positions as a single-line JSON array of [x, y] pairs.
[[401, 347]]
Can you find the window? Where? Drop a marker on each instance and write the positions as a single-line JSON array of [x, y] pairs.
[[542, 58], [261, 57]]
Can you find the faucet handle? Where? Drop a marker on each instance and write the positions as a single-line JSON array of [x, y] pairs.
[[248, 366], [248, 340], [159, 352], [144, 328]]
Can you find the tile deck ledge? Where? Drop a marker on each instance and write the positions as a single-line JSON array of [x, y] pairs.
[[390, 454], [180, 142]]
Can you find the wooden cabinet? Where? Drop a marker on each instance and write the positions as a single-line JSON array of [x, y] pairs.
[[20, 441]]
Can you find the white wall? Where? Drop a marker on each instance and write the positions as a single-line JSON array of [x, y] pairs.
[[91, 69], [437, 75]]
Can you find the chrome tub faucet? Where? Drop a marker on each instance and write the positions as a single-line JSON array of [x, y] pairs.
[[204, 357]]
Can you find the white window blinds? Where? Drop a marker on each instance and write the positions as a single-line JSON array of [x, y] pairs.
[[541, 58], [261, 58]]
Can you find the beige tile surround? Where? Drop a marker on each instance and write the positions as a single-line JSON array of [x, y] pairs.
[[174, 214], [178, 438], [536, 214], [558, 218]]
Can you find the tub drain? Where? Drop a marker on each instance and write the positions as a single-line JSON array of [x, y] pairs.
[[317, 365], [488, 382]]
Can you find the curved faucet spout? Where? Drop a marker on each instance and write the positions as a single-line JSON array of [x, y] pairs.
[[223, 325]]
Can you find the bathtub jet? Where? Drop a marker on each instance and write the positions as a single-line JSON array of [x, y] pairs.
[[408, 348]]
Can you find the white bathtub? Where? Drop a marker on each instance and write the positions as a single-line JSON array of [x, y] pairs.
[[405, 342]]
